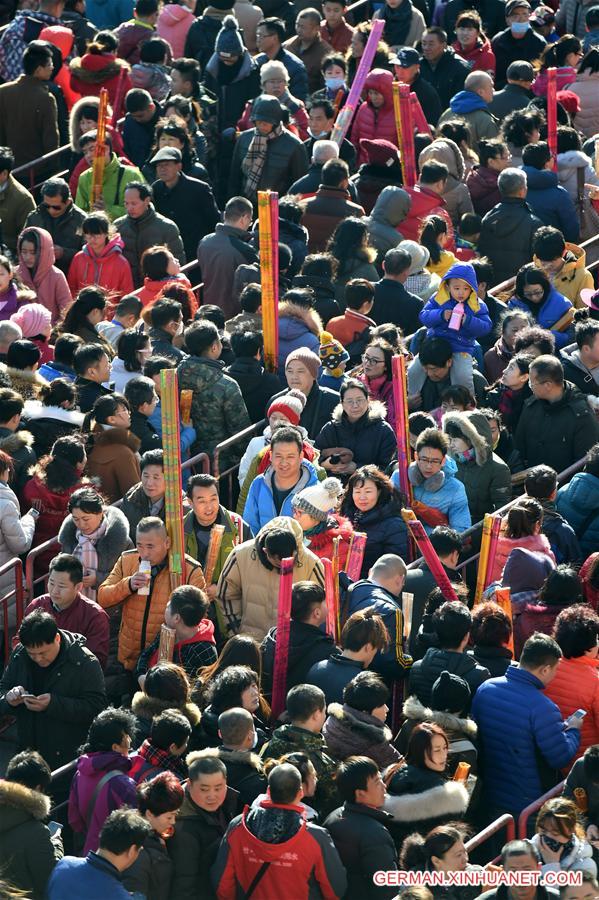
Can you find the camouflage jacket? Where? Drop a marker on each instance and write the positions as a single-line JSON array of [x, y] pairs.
[[218, 410], [293, 739]]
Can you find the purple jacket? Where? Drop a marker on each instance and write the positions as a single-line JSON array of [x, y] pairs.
[[119, 791]]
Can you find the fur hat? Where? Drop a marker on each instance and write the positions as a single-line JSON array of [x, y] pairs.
[[450, 693], [332, 353], [320, 499], [380, 152], [33, 319], [290, 404], [229, 41], [309, 359]]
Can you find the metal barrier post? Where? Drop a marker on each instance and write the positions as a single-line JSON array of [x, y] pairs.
[[534, 806], [505, 821], [30, 580], [16, 593], [226, 445], [200, 461]]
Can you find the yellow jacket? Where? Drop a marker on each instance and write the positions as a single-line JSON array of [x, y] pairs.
[[574, 276]]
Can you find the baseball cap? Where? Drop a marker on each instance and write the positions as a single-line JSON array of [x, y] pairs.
[[167, 154], [512, 5], [406, 57], [520, 70], [543, 15]]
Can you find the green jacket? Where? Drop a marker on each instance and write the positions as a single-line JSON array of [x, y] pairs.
[[293, 739], [218, 410], [116, 178], [236, 532]]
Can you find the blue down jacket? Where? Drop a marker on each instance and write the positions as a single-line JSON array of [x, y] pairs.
[[551, 202], [578, 503], [260, 508], [547, 314], [450, 498], [517, 724], [476, 322]]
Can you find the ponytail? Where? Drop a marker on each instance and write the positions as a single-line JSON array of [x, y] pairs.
[[523, 518], [432, 227]]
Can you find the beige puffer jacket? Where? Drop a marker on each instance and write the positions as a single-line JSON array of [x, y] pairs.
[[457, 195]]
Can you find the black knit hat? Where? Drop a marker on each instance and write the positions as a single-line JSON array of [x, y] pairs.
[[450, 693]]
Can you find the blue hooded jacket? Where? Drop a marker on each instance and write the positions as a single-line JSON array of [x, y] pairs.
[[578, 503], [465, 102], [450, 498], [551, 202], [548, 313], [476, 322]]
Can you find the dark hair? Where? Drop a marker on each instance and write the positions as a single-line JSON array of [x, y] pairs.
[[303, 700], [385, 347], [287, 434], [154, 365], [129, 343], [555, 54], [519, 125], [6, 463], [55, 187], [350, 241], [548, 368], [97, 223], [87, 499], [365, 692], [352, 384], [386, 491], [123, 829], [139, 390], [357, 292], [37, 53], [201, 480], [250, 298], [541, 482], [590, 763], [305, 595], [88, 299], [537, 336], [104, 407], [470, 224], [529, 275], [165, 311], [452, 622], [523, 517], [212, 313], [320, 264], [30, 769], [152, 458], [432, 437], [170, 727], [273, 25], [108, 728], [435, 351], [491, 626], [490, 148], [417, 851], [7, 159], [432, 171], [155, 261], [590, 61], [198, 765], [396, 261], [539, 650], [190, 603], [228, 686], [38, 628], [11, 404], [239, 650], [548, 243], [167, 681], [58, 470], [537, 156], [23, 354], [353, 774], [576, 630], [144, 190], [364, 627], [57, 392], [65, 347], [420, 743], [334, 59], [419, 422], [483, 270], [289, 211], [567, 139], [246, 344], [334, 172], [66, 562], [200, 336], [562, 587], [155, 50]]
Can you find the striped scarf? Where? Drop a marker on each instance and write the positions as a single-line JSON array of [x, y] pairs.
[[86, 552], [254, 161]]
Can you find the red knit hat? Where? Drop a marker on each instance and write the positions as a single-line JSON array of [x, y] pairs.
[[569, 100], [380, 152], [290, 405]]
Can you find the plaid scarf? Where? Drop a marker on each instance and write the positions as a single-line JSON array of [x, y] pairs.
[[86, 552], [162, 760], [255, 159], [506, 403]]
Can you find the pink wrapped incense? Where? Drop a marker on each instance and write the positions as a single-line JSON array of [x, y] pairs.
[[279, 681], [495, 531], [417, 531], [332, 598], [355, 557], [400, 397], [346, 115], [552, 114]]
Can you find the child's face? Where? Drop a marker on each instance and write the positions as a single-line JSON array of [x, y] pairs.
[[333, 12], [459, 290], [512, 377], [375, 98]]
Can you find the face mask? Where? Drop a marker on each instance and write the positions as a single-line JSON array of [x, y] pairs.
[[334, 84], [318, 135], [519, 27]]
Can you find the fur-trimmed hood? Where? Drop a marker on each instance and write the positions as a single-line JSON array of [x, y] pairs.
[[285, 522], [424, 796], [450, 722], [475, 429], [234, 757], [377, 412], [361, 723], [34, 409], [19, 803], [148, 707], [17, 440], [309, 317], [445, 151], [92, 68]]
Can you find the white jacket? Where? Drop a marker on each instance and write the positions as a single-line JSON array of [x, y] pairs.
[[568, 165], [16, 536], [580, 858]]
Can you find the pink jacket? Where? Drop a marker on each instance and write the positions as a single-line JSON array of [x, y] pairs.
[[371, 123], [505, 545], [48, 282], [173, 24]]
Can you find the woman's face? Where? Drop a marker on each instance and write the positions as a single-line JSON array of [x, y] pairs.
[[86, 522], [250, 698], [357, 45], [373, 362], [572, 59], [534, 293], [533, 136], [28, 254], [355, 404], [275, 87], [499, 163], [95, 316], [381, 712], [512, 377], [121, 418], [169, 140], [436, 758], [173, 268], [87, 125], [334, 71], [307, 522], [180, 86], [550, 829], [5, 276], [494, 426], [466, 35], [96, 242], [162, 824], [458, 445], [365, 495], [511, 330], [454, 860]]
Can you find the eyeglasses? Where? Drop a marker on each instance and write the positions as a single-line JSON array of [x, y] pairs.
[[372, 360], [430, 462], [51, 206], [358, 402], [532, 295]]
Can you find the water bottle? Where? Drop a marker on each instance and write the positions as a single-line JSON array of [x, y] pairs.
[[457, 314]]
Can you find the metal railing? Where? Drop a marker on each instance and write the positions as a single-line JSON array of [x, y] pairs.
[[200, 463], [534, 806], [12, 598], [226, 478], [505, 821], [30, 580]]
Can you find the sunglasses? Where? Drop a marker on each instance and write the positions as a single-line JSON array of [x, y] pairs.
[[51, 206]]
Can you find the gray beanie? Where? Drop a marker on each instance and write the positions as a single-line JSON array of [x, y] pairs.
[[229, 41]]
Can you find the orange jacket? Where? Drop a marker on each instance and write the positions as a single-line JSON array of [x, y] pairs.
[[136, 609], [576, 686]]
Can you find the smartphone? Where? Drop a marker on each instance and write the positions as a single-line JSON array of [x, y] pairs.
[[54, 828], [578, 715], [31, 696]]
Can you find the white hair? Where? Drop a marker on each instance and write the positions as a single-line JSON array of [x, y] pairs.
[[273, 69], [323, 151]]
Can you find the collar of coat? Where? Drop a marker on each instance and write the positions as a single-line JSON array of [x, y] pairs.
[[309, 317], [149, 707], [434, 802], [17, 796], [361, 723], [377, 412], [235, 757], [415, 710]]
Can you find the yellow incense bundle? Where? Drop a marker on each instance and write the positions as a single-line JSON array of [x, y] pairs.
[[216, 539], [185, 406], [166, 647]]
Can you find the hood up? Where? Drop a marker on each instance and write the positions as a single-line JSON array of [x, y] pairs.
[[475, 429], [392, 206]]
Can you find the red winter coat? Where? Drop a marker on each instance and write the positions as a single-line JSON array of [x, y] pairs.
[[53, 512], [63, 38], [151, 289], [481, 57], [47, 280], [591, 594], [425, 203], [110, 270], [93, 71], [85, 617], [375, 124], [322, 544], [576, 686], [533, 618]]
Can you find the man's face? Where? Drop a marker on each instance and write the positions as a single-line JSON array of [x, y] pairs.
[[429, 460], [299, 377], [333, 12], [407, 75], [520, 14], [101, 371], [522, 863], [44, 72], [306, 29], [319, 124], [134, 205], [552, 266], [286, 460], [43, 655], [180, 85], [205, 504], [432, 47], [543, 390], [592, 353], [89, 152], [152, 546], [266, 41], [374, 795], [168, 170], [62, 590], [55, 206], [209, 791], [438, 373], [486, 91], [263, 128], [143, 116], [152, 480], [547, 673]]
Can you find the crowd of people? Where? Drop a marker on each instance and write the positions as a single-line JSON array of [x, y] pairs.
[[142, 757]]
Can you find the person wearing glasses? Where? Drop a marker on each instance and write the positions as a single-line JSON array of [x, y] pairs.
[[61, 218], [535, 294]]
